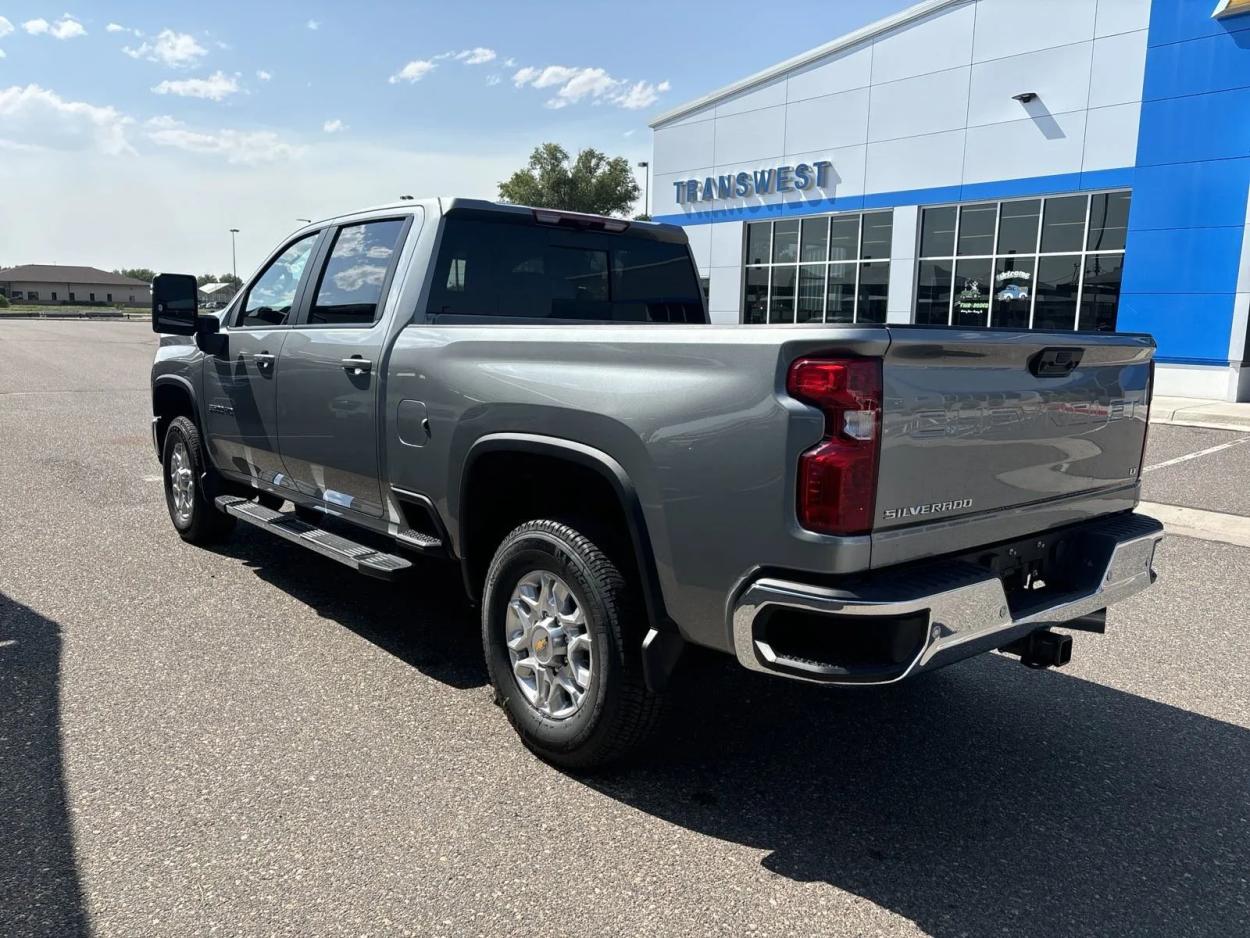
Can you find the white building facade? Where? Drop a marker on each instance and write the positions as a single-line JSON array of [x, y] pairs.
[[1074, 164]]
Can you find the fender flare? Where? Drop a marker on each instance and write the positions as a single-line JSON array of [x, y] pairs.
[[183, 384], [597, 461]]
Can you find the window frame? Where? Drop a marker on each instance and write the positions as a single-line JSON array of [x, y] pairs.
[[1036, 255], [857, 261], [236, 316], [321, 259]]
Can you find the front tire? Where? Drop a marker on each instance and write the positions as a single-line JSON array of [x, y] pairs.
[[562, 631], [196, 519]]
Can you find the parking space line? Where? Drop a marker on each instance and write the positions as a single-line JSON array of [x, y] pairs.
[[1204, 525], [1202, 452]]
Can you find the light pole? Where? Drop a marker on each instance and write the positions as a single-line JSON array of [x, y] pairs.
[[646, 188], [306, 221], [234, 260]]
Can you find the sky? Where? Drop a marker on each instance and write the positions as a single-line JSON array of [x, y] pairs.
[[137, 134]]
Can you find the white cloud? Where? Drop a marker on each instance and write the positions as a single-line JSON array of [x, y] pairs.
[[334, 126], [177, 50], [509, 62], [479, 55], [313, 24], [41, 118], [476, 56], [523, 76], [356, 276], [215, 87], [119, 28], [640, 94], [237, 146], [2, 53], [493, 79], [414, 71], [65, 28], [5, 27], [576, 84], [213, 195], [263, 75]]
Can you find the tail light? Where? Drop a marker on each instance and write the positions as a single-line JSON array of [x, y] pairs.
[[837, 486], [1145, 436]]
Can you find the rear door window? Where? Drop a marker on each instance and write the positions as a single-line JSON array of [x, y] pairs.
[[350, 288], [515, 270]]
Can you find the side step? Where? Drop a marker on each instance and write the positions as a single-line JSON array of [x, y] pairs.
[[418, 540], [357, 556]]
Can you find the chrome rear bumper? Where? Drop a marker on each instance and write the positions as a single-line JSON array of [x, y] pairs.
[[967, 607]]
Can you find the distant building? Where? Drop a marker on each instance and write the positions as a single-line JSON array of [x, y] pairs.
[[54, 284], [217, 294], [982, 164]]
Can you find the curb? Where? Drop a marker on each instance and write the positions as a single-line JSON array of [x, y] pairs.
[[73, 316], [1236, 427]]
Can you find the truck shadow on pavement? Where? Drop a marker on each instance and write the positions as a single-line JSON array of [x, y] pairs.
[[982, 800], [40, 893], [423, 620]]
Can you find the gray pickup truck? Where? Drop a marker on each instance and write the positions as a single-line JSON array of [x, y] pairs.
[[538, 397]]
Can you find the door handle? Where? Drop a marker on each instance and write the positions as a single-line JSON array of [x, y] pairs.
[[357, 365], [264, 360]]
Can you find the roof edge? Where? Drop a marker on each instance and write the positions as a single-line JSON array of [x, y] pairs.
[[901, 18]]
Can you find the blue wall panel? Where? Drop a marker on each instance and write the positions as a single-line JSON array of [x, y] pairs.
[[1197, 66], [1188, 212], [1187, 195], [1183, 260], [1178, 20], [1195, 127], [1192, 327]]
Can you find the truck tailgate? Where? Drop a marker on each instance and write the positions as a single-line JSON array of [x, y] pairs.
[[979, 424]]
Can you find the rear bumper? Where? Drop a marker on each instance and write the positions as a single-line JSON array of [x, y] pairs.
[[934, 614]]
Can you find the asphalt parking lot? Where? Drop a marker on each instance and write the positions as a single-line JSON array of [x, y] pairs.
[[253, 741]]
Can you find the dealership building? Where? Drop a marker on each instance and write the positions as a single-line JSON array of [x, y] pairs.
[[1068, 164]]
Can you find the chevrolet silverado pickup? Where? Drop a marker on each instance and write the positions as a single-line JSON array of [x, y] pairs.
[[538, 397]]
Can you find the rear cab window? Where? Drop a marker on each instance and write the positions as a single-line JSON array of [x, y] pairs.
[[506, 266]]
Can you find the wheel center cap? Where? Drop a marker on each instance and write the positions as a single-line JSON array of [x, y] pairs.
[[545, 642]]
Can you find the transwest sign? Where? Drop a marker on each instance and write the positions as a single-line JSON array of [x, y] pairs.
[[739, 185]]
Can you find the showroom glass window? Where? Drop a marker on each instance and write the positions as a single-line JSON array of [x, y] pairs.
[[1046, 263], [825, 268]]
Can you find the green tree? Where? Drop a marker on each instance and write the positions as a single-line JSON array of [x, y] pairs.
[[138, 273], [4, 301], [593, 182], [218, 278]]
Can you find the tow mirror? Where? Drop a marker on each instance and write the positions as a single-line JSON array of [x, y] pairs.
[[174, 304]]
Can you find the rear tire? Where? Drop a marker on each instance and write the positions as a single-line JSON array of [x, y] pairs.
[[562, 631], [195, 518]]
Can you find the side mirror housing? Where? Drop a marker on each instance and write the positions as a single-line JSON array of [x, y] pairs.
[[174, 304], [208, 335]]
